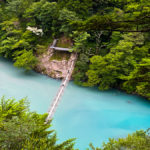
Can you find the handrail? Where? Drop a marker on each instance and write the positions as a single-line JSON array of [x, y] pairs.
[[60, 92]]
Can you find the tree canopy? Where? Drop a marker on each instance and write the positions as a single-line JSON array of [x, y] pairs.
[[111, 38], [21, 129], [140, 140]]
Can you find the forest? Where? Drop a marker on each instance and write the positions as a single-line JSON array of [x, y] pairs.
[[111, 38]]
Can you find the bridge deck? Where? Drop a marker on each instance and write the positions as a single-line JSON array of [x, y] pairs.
[[60, 92], [60, 49]]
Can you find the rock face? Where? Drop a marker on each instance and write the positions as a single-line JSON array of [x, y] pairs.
[[53, 68]]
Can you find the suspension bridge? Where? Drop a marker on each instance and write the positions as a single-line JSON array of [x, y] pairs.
[[61, 89]]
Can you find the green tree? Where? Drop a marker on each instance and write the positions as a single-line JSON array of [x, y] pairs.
[[82, 66], [80, 40], [22, 129], [107, 71], [125, 16], [81, 7], [65, 16], [47, 14], [139, 79], [25, 59], [42, 14], [140, 140], [18, 7]]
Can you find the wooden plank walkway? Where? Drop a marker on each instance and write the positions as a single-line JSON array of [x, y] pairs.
[[60, 49], [61, 89]]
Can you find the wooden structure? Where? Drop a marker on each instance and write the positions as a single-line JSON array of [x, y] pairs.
[[58, 48], [61, 89]]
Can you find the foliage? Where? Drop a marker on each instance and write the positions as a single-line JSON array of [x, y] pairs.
[[65, 16], [111, 38], [140, 140], [64, 42], [25, 59], [108, 71], [18, 7], [80, 40], [139, 79], [22, 129], [81, 7], [130, 16], [80, 69]]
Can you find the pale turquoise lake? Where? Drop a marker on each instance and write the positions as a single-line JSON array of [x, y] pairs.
[[84, 113]]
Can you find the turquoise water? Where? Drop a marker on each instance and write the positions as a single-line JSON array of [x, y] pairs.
[[84, 113]]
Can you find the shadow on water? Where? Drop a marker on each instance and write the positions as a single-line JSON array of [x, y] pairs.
[[131, 100], [19, 71], [28, 73]]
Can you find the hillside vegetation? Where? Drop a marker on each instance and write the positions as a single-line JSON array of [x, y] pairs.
[[111, 37]]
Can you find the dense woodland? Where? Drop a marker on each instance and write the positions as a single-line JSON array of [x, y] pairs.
[[111, 37]]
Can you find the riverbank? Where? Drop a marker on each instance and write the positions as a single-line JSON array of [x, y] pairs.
[[54, 64]]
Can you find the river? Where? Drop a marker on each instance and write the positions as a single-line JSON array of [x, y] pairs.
[[84, 113]]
